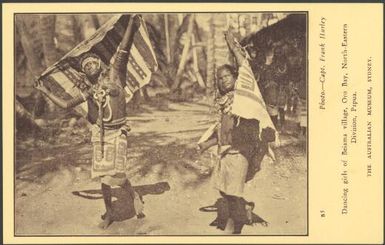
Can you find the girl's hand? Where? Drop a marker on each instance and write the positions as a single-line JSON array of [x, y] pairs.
[[137, 20]]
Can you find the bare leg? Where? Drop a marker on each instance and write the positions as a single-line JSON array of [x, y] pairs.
[[107, 217], [138, 204], [238, 212]]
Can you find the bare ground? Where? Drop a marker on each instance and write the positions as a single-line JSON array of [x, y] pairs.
[[164, 167]]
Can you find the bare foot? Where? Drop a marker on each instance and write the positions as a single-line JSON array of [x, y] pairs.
[[103, 216], [107, 221], [138, 206], [249, 211], [140, 216]]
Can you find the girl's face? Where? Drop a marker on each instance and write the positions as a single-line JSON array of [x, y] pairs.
[[226, 81], [92, 68]]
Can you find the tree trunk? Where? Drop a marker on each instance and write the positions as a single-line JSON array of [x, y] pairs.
[[67, 34], [195, 63], [210, 77], [95, 20], [222, 54], [32, 45], [166, 32], [185, 52], [86, 24], [47, 34], [173, 25], [24, 120]]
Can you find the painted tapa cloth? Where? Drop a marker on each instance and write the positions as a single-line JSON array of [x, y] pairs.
[[64, 78]]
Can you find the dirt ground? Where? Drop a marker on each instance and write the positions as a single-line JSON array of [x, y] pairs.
[[164, 168]]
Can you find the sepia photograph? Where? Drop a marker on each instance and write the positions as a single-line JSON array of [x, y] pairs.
[[161, 124]]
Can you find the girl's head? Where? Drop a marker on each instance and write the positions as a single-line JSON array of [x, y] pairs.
[[226, 76], [90, 64]]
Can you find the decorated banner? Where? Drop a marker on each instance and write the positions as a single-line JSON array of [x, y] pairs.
[[248, 102], [65, 78]]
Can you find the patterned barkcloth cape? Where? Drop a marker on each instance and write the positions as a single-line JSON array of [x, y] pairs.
[[248, 102], [64, 77]]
